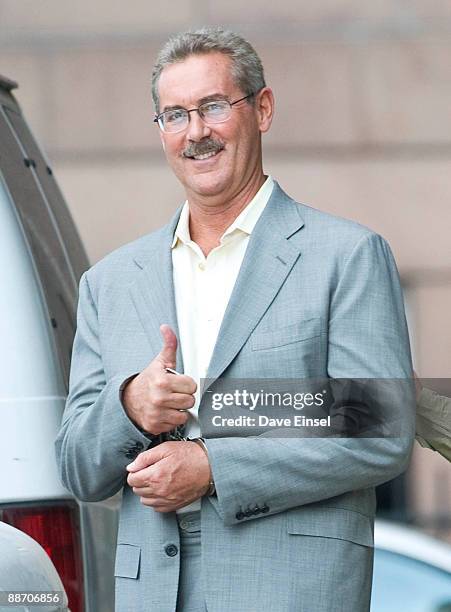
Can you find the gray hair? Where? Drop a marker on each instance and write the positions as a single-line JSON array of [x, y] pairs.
[[247, 69]]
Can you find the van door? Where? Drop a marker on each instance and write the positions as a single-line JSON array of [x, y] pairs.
[[47, 224]]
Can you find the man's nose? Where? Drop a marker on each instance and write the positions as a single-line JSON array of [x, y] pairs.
[[197, 129]]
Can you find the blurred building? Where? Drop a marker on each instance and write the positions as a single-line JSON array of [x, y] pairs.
[[362, 130]]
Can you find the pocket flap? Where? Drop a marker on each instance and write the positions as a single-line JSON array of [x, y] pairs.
[[127, 560], [338, 523], [301, 330]]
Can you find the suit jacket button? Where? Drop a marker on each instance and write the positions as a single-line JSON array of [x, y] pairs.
[[239, 516], [256, 510], [265, 508], [171, 550], [248, 513], [139, 446]]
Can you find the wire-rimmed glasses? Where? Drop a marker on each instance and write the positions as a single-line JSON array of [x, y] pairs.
[[211, 112]]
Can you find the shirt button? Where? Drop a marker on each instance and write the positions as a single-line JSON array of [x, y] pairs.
[[171, 550], [201, 266]]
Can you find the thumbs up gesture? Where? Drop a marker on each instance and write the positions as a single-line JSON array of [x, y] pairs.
[[155, 400]]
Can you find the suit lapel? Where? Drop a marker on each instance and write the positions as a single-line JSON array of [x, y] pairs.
[[152, 291], [269, 257], [268, 260]]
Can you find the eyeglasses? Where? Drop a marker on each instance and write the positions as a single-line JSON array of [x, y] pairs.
[[215, 111]]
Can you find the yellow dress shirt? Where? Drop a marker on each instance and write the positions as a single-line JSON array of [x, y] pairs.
[[203, 286]]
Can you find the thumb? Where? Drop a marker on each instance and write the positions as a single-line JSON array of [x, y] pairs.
[[167, 353], [143, 460]]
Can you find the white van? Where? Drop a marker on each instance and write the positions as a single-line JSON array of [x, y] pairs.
[[42, 259]]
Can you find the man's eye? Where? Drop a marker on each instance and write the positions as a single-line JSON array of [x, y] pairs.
[[174, 116], [214, 107]]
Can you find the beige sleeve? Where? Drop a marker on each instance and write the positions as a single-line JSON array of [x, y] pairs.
[[433, 423]]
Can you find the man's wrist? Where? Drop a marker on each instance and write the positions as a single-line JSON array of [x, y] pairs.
[[211, 485], [128, 411], [123, 387]]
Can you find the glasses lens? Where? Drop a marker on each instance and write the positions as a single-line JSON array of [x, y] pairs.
[[174, 120], [215, 112]]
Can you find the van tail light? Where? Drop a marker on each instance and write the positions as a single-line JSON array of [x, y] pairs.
[[55, 526]]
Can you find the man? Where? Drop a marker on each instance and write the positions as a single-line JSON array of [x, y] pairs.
[[242, 283]]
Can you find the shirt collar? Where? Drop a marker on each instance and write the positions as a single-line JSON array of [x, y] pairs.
[[245, 222]]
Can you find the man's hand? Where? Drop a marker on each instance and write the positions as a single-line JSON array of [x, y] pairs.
[[155, 400], [170, 476]]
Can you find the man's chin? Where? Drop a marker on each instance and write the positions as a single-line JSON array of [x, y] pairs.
[[207, 184]]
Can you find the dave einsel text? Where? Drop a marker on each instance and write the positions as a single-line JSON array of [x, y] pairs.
[[30, 598], [265, 421]]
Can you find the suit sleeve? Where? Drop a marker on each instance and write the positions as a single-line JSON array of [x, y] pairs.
[[367, 339], [97, 439]]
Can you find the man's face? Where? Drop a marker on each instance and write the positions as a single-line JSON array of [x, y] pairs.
[[235, 144]]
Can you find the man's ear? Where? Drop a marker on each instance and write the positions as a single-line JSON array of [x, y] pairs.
[[264, 105]]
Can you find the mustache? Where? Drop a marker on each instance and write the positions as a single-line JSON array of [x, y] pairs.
[[204, 146]]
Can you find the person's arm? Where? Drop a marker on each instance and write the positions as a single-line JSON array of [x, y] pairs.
[[97, 439], [108, 422], [367, 339], [433, 424]]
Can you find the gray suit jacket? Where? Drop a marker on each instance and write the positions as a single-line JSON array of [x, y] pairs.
[[316, 296]]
